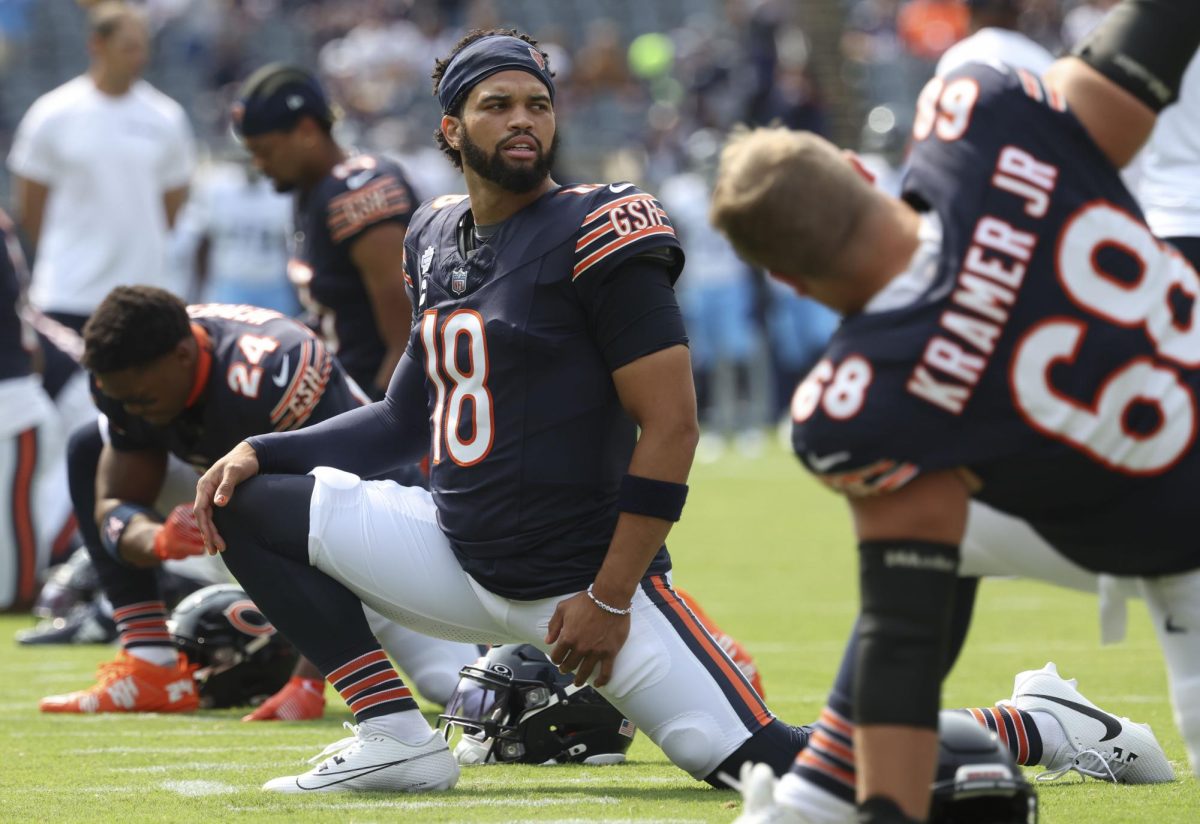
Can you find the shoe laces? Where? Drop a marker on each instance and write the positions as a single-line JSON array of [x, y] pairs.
[[339, 746], [1090, 763], [111, 671]]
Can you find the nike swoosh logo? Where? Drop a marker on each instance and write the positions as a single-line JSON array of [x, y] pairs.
[[1112, 727], [828, 462], [358, 772], [616, 190], [281, 378]]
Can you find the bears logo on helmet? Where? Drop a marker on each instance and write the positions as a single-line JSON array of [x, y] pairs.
[[241, 659]]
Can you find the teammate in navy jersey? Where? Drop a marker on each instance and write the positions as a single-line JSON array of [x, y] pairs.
[[545, 334], [189, 383], [1014, 333], [351, 212]]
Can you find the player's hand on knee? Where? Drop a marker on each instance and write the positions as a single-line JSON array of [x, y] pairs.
[[586, 638], [178, 537], [215, 487]]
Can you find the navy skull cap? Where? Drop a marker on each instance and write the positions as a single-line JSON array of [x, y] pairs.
[[485, 57], [275, 97]]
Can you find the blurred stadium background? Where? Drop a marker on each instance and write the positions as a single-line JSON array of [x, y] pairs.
[[647, 91]]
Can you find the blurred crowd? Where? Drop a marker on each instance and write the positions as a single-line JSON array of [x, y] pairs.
[[647, 92]]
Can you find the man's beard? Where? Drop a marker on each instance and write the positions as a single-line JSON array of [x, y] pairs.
[[496, 168]]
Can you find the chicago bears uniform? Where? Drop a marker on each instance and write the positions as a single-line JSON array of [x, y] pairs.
[[525, 464], [364, 191], [35, 522], [1051, 348], [515, 341], [258, 367]]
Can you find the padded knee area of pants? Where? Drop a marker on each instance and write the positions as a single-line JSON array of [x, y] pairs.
[[435, 683], [692, 742]]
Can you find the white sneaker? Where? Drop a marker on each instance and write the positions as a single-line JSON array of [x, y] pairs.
[[370, 759], [757, 786], [1098, 743]]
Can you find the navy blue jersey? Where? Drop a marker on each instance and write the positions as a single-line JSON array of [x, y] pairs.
[[365, 191], [1053, 354], [15, 361], [529, 439], [262, 372]]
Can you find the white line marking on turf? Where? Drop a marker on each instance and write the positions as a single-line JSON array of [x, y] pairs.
[[133, 750], [198, 788], [456, 803], [193, 766]]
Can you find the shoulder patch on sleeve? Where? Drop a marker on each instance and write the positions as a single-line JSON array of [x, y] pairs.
[[622, 216], [305, 387], [376, 199]]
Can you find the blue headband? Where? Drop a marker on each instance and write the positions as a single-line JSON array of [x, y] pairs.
[[485, 57]]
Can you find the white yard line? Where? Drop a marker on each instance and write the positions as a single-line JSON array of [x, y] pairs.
[[166, 750], [199, 788], [458, 802]]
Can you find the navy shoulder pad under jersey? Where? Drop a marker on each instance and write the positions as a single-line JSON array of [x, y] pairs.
[[529, 440], [15, 340], [259, 372], [1051, 349], [363, 192]]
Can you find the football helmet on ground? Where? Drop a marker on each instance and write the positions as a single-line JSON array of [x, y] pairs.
[[241, 659], [513, 705]]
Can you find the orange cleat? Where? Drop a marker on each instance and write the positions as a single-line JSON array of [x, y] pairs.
[[728, 643], [130, 684], [301, 699]]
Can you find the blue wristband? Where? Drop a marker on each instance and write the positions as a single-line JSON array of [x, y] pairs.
[[654, 499], [116, 521]]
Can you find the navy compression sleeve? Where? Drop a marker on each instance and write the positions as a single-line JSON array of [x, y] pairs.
[[369, 441]]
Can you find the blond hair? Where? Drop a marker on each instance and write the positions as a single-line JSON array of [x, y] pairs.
[[788, 201], [104, 18]]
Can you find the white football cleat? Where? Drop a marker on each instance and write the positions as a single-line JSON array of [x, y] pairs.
[[1098, 743], [757, 786], [372, 760]]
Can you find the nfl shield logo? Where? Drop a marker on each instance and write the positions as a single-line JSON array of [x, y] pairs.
[[426, 259], [458, 280]]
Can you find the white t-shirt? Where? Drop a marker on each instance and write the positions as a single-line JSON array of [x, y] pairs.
[[246, 221], [992, 45], [1169, 190], [107, 162]]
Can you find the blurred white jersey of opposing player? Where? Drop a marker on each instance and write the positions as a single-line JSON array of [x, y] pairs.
[[995, 44], [234, 231]]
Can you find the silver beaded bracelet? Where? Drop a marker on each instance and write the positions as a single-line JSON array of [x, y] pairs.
[[606, 607]]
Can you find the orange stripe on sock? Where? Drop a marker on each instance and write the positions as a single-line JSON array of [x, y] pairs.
[[836, 723], [23, 516], [761, 714], [978, 715], [813, 761], [359, 662], [369, 701], [823, 741], [1022, 739], [365, 684], [145, 606], [1001, 730]]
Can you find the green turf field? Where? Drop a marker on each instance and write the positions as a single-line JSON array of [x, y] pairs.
[[769, 555]]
